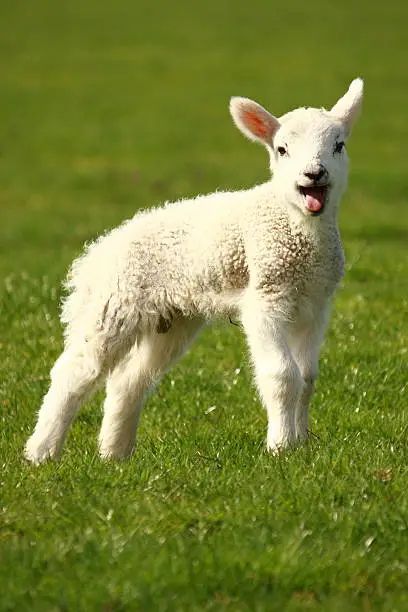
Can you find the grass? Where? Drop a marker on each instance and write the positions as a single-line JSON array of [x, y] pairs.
[[107, 107]]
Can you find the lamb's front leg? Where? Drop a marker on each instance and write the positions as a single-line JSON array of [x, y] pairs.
[[277, 375], [305, 344]]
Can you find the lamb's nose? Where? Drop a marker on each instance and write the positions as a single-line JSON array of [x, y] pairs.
[[317, 175]]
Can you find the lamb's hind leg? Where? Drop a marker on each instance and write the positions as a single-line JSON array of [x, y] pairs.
[[126, 388], [130, 381], [75, 375]]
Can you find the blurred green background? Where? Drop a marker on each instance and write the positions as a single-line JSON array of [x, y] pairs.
[[109, 106]]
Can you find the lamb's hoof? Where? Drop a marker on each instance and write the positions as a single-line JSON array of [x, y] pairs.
[[276, 449], [278, 446], [114, 453], [38, 452]]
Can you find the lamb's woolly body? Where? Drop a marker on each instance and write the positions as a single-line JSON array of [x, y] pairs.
[[139, 294], [195, 258]]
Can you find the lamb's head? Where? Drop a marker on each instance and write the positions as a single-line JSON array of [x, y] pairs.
[[306, 147]]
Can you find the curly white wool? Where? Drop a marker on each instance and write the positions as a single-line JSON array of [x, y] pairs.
[[271, 255]]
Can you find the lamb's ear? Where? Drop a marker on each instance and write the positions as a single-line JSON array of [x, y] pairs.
[[253, 120], [348, 107]]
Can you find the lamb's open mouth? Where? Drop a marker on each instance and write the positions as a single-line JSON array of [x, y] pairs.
[[315, 198]]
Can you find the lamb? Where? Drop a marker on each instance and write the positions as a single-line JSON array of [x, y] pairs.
[[270, 255]]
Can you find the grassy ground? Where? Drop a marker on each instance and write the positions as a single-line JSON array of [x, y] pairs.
[[106, 107]]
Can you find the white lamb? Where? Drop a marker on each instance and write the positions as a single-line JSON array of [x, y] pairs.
[[271, 255]]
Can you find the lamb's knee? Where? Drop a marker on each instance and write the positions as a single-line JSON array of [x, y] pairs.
[[284, 382], [86, 359], [291, 383], [309, 378], [309, 381]]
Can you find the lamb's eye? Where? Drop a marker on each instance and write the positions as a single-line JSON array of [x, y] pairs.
[[338, 147], [282, 151]]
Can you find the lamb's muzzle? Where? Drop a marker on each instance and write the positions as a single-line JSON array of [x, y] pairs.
[[314, 187], [317, 176]]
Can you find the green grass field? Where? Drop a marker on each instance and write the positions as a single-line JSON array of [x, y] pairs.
[[106, 107]]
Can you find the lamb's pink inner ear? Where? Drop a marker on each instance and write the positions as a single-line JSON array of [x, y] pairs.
[[255, 124], [253, 120]]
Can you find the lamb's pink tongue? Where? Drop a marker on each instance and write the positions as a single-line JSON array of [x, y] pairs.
[[315, 199]]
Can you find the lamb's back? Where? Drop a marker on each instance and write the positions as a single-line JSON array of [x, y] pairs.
[[179, 256]]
